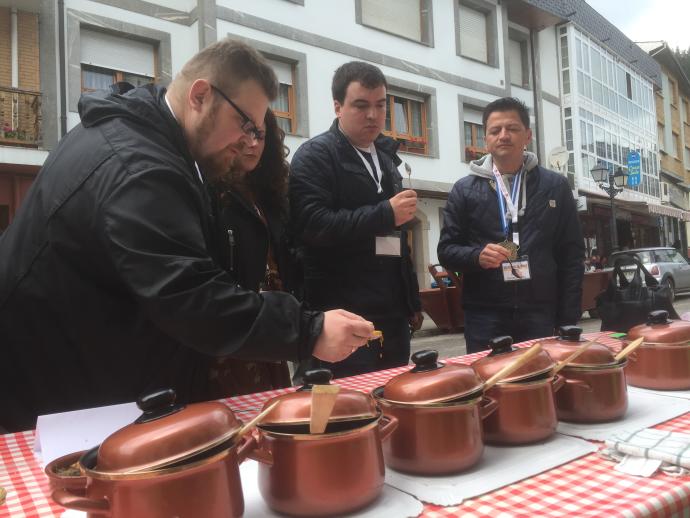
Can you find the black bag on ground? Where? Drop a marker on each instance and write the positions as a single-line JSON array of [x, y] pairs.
[[625, 304]]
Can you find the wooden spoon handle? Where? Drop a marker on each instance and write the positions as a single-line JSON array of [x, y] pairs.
[[512, 367], [629, 348], [574, 355], [248, 426]]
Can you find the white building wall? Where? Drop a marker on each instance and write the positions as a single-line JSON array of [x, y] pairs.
[[319, 17], [433, 209], [553, 134], [548, 59]]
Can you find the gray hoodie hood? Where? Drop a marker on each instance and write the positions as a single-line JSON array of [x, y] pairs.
[[484, 166]]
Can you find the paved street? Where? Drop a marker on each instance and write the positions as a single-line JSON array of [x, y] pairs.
[[453, 344]]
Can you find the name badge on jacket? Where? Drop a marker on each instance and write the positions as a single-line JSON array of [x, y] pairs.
[[388, 245], [516, 270]]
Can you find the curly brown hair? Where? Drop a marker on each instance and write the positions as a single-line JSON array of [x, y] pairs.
[[269, 181]]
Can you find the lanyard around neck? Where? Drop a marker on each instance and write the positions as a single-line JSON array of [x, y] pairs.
[[512, 200], [375, 159]]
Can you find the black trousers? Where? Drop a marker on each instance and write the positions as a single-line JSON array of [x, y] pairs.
[[393, 351], [481, 325]]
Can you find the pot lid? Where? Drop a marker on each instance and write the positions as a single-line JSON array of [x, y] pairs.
[[502, 353], [660, 329], [431, 381], [295, 407], [166, 433], [568, 340]]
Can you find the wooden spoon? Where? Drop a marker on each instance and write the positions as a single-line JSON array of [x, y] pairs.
[[628, 349], [322, 401], [251, 424], [575, 354], [512, 367]]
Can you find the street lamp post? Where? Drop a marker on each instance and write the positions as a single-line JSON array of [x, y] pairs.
[[613, 184]]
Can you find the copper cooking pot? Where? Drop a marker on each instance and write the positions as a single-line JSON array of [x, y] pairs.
[[333, 473], [526, 411], [595, 389], [174, 460], [61, 473], [439, 408], [663, 361]]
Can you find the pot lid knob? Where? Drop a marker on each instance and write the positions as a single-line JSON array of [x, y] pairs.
[[317, 377], [157, 404], [659, 316], [501, 345], [426, 360], [569, 333]]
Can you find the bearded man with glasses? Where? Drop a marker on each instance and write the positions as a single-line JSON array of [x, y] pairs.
[[110, 284]]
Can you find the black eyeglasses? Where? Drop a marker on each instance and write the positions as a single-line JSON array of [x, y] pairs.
[[248, 126]]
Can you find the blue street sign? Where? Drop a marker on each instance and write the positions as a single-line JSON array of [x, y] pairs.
[[633, 168]]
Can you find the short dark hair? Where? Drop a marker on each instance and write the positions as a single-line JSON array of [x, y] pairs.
[[370, 76], [507, 104]]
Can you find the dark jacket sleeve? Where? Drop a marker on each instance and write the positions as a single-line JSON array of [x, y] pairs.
[[453, 250], [569, 251], [412, 283], [316, 219], [153, 231]]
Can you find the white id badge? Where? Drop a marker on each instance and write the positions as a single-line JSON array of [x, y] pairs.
[[388, 245], [516, 270]]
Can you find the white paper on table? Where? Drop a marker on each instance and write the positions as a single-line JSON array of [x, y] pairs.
[[390, 504], [645, 409], [498, 467], [638, 466], [685, 394], [68, 432]]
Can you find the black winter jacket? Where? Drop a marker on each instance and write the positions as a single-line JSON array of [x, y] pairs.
[[550, 235], [336, 216], [244, 241], [109, 277]]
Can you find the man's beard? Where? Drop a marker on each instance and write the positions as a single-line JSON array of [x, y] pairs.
[[213, 165]]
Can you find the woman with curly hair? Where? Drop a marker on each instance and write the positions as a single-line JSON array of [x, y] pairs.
[[252, 220]]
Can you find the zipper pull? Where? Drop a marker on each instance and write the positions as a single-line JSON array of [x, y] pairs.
[[231, 242]]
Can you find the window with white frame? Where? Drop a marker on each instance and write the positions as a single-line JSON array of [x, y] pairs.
[[284, 105], [107, 59], [406, 121], [407, 18], [474, 42], [475, 143], [518, 59], [687, 157], [675, 139], [616, 113]]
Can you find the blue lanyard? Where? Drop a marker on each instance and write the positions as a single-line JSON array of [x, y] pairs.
[[514, 196]]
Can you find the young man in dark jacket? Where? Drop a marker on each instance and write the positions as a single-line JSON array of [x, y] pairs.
[[511, 228], [348, 211], [109, 283]]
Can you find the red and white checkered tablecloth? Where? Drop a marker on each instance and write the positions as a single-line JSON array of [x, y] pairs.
[[587, 486]]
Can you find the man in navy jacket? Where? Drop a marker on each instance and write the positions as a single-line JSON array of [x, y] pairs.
[[511, 229]]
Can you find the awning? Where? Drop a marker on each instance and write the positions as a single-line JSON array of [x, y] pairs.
[[666, 210]]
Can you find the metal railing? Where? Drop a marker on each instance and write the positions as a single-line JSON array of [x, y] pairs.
[[20, 117]]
